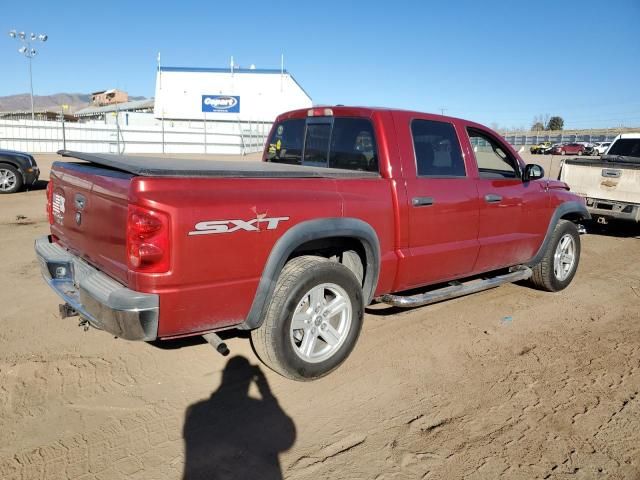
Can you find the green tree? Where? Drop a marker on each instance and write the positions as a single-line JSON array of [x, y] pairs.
[[537, 126], [555, 123]]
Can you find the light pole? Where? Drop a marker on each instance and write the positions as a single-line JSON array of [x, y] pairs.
[[28, 52]]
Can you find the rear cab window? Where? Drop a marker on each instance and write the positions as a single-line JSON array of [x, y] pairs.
[[626, 147], [346, 143], [285, 145]]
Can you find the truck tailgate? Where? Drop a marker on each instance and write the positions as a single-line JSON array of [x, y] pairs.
[[605, 180], [89, 207]]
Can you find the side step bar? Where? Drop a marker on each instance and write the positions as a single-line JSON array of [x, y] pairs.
[[456, 289]]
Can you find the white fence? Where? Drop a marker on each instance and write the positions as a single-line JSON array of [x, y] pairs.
[[220, 137], [558, 137]]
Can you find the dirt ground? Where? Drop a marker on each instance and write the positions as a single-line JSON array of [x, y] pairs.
[[509, 383]]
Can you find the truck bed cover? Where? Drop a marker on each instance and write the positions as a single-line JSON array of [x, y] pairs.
[[189, 167]]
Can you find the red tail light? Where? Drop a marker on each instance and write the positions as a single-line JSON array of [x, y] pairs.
[[50, 202], [147, 240]]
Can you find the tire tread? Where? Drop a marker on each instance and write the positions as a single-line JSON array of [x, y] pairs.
[[262, 337], [542, 277]]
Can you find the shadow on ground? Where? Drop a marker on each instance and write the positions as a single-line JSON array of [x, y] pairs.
[[39, 185], [194, 340], [615, 228], [231, 435]]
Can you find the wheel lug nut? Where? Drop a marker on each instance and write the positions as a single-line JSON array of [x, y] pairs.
[[325, 313]]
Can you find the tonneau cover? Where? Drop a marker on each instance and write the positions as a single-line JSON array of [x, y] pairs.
[[188, 167]]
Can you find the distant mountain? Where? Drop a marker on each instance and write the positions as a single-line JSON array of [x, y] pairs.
[[22, 101]]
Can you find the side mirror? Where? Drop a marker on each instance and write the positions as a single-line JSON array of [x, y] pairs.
[[532, 172]]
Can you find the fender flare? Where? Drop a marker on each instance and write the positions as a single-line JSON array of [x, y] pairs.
[[303, 233], [563, 209]]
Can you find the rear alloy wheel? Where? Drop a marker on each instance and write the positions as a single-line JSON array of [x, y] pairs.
[[560, 261], [313, 319], [321, 322], [10, 179]]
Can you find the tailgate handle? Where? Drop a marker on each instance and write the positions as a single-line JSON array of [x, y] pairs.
[[608, 172], [422, 201], [492, 198]]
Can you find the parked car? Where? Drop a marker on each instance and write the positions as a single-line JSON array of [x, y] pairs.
[[569, 149], [348, 205], [17, 170], [541, 148], [601, 147], [611, 183], [589, 148]]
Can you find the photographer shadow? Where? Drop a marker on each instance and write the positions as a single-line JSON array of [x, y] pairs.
[[234, 436]]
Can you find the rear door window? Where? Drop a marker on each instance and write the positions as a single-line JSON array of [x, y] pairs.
[[437, 149]]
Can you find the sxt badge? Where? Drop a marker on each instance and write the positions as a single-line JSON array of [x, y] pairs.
[[230, 226]]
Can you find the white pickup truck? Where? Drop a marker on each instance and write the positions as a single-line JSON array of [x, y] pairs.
[[611, 183]]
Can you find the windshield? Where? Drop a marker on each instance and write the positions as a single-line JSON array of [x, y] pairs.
[[626, 147]]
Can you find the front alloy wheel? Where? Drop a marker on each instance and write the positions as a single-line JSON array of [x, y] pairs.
[[559, 264], [10, 179], [564, 257]]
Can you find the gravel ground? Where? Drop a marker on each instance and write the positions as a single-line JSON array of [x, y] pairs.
[[507, 383]]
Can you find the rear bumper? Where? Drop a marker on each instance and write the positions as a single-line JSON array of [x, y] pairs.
[[611, 209], [103, 302]]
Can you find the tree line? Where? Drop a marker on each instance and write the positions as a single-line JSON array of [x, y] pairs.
[[547, 122]]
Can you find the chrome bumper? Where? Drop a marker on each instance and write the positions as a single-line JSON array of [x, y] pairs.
[[613, 209], [96, 297]]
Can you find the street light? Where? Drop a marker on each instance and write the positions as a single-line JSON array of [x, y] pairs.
[[28, 52]]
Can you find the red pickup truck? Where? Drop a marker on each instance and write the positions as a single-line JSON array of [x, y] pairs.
[[349, 206]]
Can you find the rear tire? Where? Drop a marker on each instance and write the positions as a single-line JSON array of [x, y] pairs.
[[313, 319], [560, 261], [10, 179]]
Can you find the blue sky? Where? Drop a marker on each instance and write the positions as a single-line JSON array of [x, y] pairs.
[[489, 61]]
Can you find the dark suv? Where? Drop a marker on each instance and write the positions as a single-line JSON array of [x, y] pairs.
[[17, 170]]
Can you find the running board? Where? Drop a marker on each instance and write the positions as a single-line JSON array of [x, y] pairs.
[[456, 289]]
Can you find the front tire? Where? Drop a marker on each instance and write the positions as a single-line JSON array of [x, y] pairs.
[[313, 319], [10, 179], [560, 261]]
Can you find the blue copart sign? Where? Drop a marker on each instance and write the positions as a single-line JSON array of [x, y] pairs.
[[221, 103]]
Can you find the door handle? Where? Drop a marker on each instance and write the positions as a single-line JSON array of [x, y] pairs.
[[492, 198], [422, 201]]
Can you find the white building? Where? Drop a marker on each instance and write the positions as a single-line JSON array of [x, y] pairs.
[[216, 94]]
